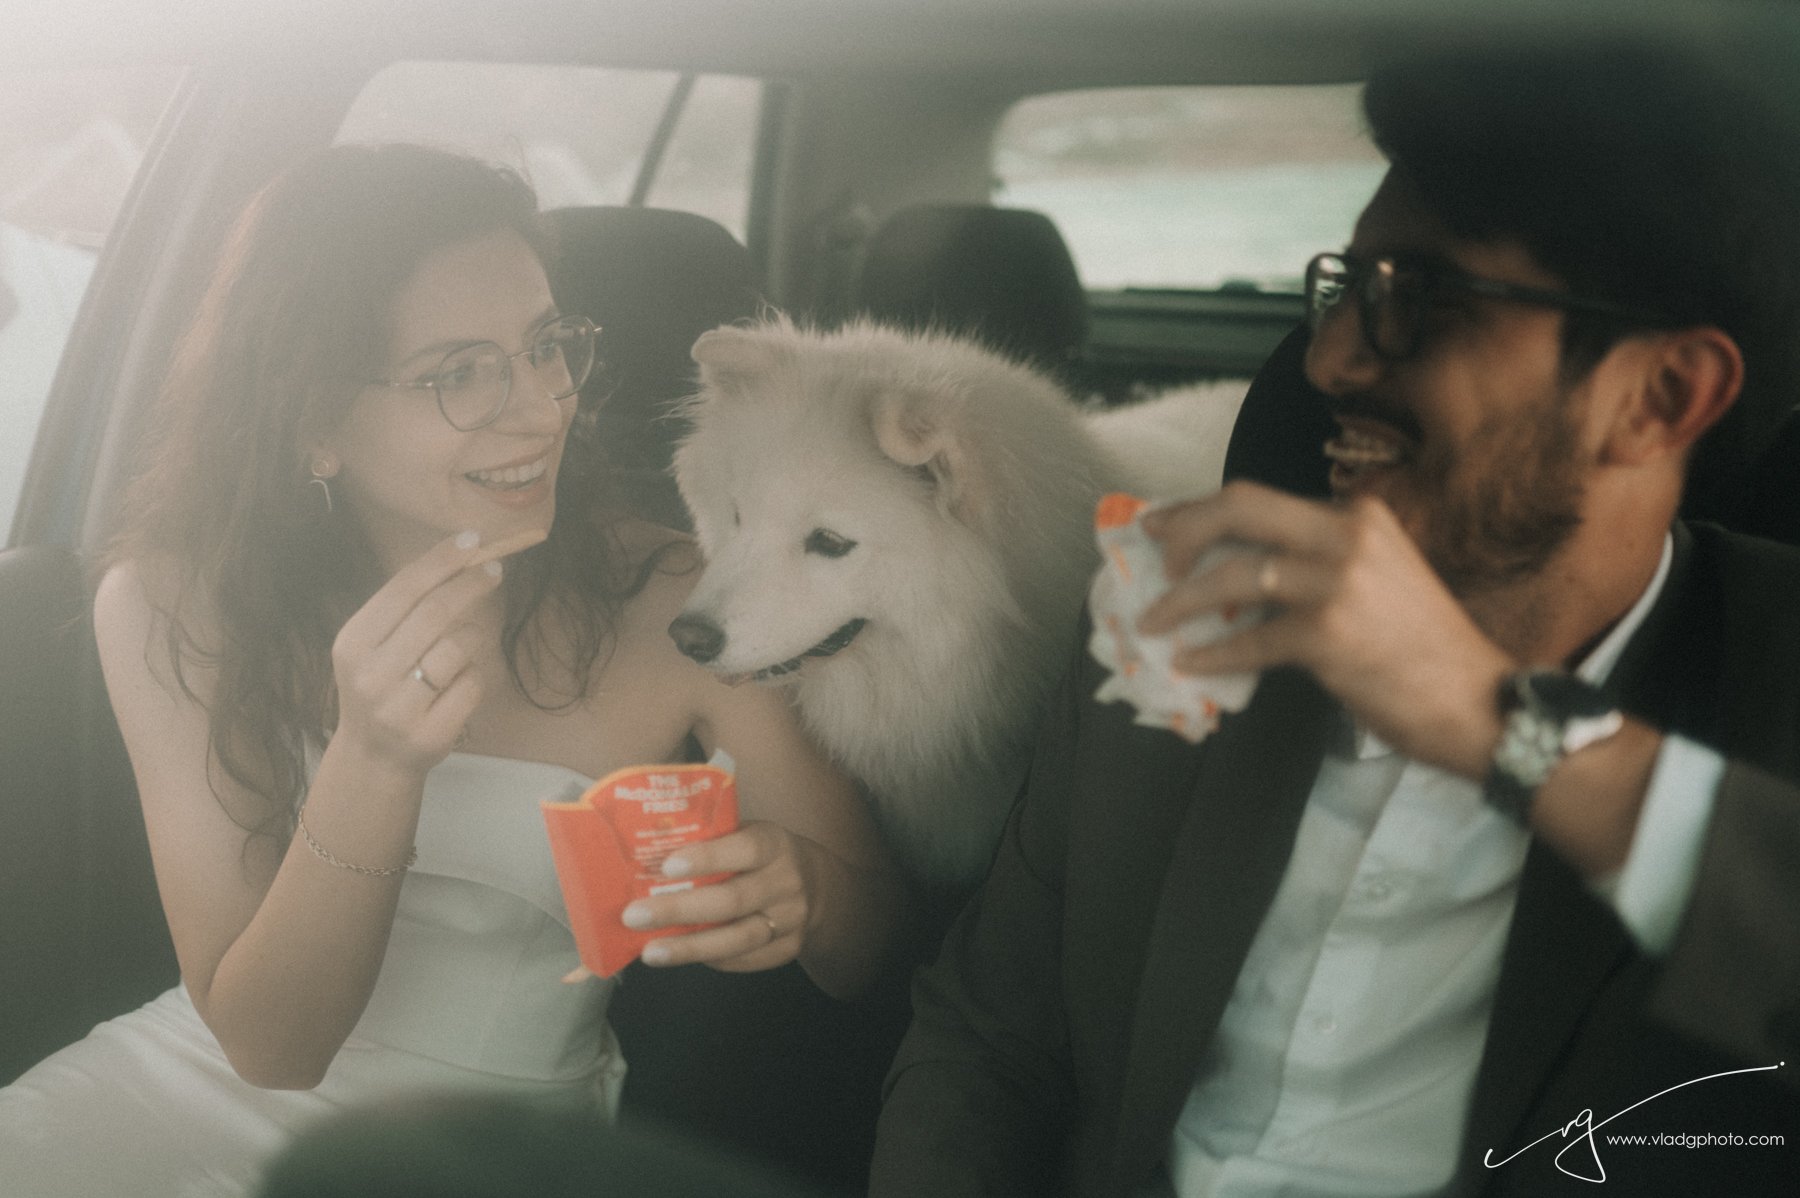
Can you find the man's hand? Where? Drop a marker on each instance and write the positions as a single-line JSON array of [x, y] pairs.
[[1354, 602]]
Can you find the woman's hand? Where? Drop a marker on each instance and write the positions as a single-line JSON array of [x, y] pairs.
[[764, 913], [815, 884], [401, 663]]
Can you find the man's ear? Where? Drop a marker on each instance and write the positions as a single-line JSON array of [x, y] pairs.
[[1683, 383]]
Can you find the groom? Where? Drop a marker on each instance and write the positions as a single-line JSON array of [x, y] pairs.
[[1507, 842]]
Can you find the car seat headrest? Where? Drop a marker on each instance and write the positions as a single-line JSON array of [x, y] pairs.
[[1281, 425], [1003, 275], [1772, 500], [653, 279]]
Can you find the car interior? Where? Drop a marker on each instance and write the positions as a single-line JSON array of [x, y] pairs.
[[865, 183]]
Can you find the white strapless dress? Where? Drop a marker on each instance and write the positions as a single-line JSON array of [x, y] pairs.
[[469, 999]]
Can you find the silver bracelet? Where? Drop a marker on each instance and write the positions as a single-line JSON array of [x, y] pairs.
[[324, 854]]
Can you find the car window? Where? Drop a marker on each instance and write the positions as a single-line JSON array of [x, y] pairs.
[[581, 135], [1191, 187], [69, 147]]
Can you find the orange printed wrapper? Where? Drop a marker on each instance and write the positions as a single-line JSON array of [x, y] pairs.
[[1141, 669], [609, 847]]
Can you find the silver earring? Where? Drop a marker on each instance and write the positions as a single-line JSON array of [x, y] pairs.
[[319, 477]]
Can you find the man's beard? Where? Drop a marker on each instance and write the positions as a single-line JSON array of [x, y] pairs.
[[1505, 518]]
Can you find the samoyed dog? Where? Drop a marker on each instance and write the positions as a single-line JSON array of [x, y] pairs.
[[899, 527]]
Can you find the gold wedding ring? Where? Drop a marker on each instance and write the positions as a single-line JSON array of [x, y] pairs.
[[418, 675]]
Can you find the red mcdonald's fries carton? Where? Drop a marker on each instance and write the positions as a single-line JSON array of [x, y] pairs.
[[609, 847]]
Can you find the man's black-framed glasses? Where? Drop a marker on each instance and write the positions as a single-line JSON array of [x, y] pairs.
[[1395, 298], [473, 382]]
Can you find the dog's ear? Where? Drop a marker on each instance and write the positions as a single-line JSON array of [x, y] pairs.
[[905, 430], [916, 434], [731, 355]]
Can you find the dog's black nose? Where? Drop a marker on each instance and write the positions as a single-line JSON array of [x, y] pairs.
[[697, 637]]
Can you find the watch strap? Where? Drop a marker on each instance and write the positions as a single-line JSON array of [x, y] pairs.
[[1547, 715], [1529, 749]]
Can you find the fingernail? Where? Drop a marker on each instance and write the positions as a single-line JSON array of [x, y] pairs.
[[636, 916], [493, 568], [468, 539], [676, 867], [655, 954]]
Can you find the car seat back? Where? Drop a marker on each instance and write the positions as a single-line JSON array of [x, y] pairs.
[[82, 932], [1771, 505]]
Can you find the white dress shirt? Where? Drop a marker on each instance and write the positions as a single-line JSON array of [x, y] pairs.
[[1345, 1059]]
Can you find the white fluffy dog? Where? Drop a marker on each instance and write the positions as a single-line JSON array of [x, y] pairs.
[[900, 527]]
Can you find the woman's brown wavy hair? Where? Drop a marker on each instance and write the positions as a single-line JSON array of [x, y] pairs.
[[295, 314]]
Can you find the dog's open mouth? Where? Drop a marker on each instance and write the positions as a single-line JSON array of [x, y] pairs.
[[825, 648]]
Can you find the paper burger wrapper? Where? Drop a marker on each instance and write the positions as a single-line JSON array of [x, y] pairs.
[[1142, 670]]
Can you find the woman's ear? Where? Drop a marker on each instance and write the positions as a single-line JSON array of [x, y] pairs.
[[1682, 382]]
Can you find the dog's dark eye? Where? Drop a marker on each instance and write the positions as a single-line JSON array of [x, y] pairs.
[[826, 543]]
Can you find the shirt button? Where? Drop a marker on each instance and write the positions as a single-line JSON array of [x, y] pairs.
[[1324, 1024]]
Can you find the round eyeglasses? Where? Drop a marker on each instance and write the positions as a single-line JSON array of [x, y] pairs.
[[1396, 298], [473, 382]]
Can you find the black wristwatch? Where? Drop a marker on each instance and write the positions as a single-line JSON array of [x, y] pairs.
[[1548, 715]]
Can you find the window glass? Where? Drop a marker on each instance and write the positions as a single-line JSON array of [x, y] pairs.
[[712, 156], [1191, 187], [580, 134], [69, 147]]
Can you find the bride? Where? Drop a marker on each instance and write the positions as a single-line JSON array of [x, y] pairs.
[[371, 604]]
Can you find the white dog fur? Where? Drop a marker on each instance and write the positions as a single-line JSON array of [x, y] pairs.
[[944, 496]]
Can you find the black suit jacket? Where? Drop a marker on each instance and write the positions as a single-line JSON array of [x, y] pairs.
[[1055, 1041]]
